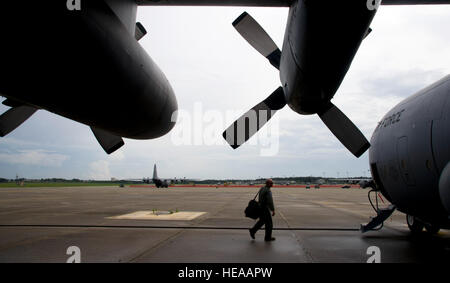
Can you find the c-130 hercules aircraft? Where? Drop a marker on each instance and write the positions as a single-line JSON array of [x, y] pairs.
[[81, 59], [410, 160]]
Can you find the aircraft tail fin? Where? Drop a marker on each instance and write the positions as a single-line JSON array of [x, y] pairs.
[[155, 173]]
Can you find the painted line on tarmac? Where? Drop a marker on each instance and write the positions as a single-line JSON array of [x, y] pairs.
[[172, 227]]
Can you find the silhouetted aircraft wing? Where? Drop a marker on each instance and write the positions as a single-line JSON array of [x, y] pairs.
[[266, 3], [260, 3], [414, 2]]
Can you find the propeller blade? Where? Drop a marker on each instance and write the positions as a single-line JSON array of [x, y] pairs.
[[248, 124], [344, 130], [14, 117], [258, 38], [140, 31], [108, 141]]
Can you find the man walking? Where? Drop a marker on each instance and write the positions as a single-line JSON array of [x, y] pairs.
[[266, 203]]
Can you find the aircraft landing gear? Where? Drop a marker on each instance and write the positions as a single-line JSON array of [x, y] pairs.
[[416, 226], [432, 228]]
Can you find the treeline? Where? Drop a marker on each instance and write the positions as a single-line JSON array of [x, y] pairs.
[[60, 180], [298, 180]]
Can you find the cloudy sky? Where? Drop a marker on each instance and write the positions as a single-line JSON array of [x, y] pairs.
[[217, 76]]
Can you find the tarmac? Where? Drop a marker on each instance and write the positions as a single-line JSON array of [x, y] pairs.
[[202, 225]]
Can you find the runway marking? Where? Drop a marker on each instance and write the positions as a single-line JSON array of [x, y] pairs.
[[160, 215]]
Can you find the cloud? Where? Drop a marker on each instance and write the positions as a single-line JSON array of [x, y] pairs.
[[36, 157], [214, 65], [118, 155], [401, 83], [99, 170]]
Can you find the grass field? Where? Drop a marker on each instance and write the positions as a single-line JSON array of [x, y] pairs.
[[56, 184]]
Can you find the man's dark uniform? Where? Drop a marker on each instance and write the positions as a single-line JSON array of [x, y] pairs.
[[266, 203]]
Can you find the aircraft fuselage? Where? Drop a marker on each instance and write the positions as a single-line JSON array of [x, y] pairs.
[[410, 154]]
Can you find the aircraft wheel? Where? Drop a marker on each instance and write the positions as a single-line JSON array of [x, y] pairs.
[[415, 225], [432, 228]]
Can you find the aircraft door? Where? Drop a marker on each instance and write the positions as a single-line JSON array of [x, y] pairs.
[[403, 161], [440, 135]]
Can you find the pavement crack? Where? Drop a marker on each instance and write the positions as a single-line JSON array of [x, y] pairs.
[[157, 246], [309, 257]]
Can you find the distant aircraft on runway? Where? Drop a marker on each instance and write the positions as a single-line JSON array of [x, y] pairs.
[[159, 183], [360, 181], [410, 160], [82, 60]]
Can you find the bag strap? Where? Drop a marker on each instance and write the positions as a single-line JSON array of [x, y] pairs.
[[256, 195]]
